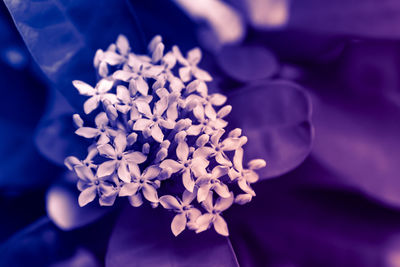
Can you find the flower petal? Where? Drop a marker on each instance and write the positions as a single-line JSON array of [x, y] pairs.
[[170, 202], [123, 172], [187, 180], [87, 132], [150, 193], [87, 196], [220, 226], [107, 150], [182, 151], [151, 172], [178, 224], [156, 133], [135, 157], [185, 73], [202, 192], [91, 104], [84, 88], [107, 168], [203, 222], [224, 203], [141, 85], [141, 124], [136, 200], [222, 190], [120, 143], [129, 189], [171, 164]]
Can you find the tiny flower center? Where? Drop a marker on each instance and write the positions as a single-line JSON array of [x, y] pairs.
[[119, 156]]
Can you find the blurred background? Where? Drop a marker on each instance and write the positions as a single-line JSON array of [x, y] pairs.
[[315, 84]]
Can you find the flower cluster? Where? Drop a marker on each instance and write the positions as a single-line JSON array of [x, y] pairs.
[[159, 136]]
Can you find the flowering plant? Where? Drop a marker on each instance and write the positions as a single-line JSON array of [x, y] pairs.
[[338, 208], [150, 139]]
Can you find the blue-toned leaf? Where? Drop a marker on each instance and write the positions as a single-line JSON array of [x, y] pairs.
[[40, 244], [276, 117], [63, 36], [22, 104], [142, 237], [54, 136], [18, 211]]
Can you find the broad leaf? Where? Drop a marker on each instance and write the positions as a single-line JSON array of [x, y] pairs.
[[63, 36], [276, 118], [286, 225], [54, 136], [142, 237], [369, 18], [358, 138], [247, 63]]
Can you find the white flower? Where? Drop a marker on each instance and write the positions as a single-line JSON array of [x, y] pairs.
[[127, 103], [188, 166], [208, 121], [99, 93], [158, 128], [211, 181], [245, 177], [119, 159], [217, 149], [153, 121], [91, 185], [190, 68], [141, 183], [213, 215], [186, 213], [136, 72], [71, 162], [103, 131]]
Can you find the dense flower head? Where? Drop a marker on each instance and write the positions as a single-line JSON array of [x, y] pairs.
[[158, 136]]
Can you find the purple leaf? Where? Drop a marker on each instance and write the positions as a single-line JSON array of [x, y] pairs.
[[368, 18], [143, 236], [359, 139], [305, 227], [247, 63], [39, 244], [276, 117]]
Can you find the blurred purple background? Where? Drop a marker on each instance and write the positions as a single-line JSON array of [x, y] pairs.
[[315, 85]]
